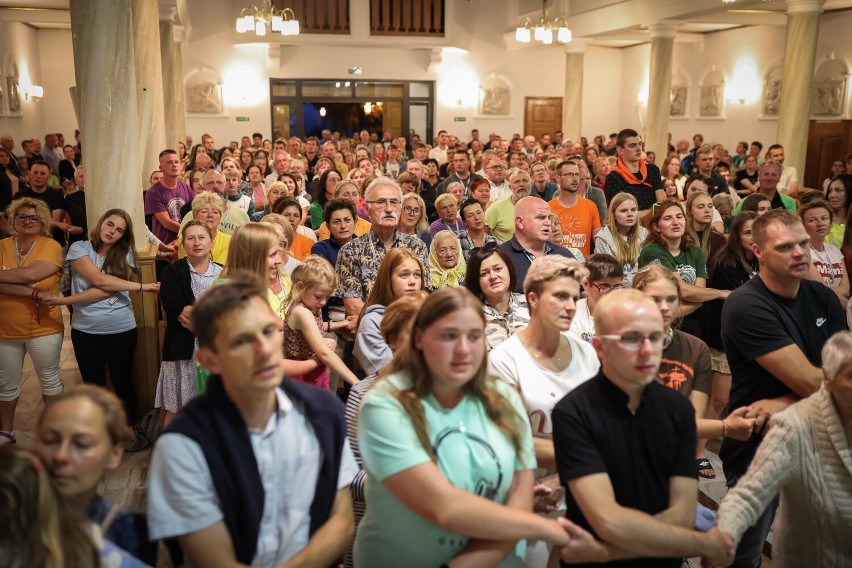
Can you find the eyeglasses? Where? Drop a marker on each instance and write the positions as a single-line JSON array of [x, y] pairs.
[[571, 174], [606, 288], [385, 202], [536, 172], [31, 218], [633, 341], [412, 210], [497, 167]]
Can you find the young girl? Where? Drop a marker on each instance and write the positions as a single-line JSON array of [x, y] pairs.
[[313, 282]]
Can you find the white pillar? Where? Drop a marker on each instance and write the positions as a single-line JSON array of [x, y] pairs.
[[149, 77], [572, 101], [799, 57], [660, 87], [102, 36], [171, 36]]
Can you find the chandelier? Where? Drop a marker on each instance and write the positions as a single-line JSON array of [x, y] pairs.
[[256, 19], [544, 29]]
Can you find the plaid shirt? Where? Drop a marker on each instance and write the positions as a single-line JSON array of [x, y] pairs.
[[358, 262], [467, 244]]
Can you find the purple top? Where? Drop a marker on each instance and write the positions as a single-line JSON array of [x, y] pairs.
[[160, 198]]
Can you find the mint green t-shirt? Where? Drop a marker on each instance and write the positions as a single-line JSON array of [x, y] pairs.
[[472, 454], [690, 264]]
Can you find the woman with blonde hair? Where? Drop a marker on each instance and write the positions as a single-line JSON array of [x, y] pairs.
[[448, 452], [413, 221], [446, 261], [30, 267], [286, 235], [208, 207], [699, 216], [274, 193], [623, 235]]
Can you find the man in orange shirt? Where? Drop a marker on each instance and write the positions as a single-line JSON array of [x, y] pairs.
[[578, 216]]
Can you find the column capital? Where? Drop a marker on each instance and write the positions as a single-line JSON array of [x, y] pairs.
[[664, 29], [167, 13], [578, 45], [805, 6]]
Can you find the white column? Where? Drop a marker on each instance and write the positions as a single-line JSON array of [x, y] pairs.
[[572, 101], [102, 36], [171, 36], [149, 77], [799, 57], [660, 87]]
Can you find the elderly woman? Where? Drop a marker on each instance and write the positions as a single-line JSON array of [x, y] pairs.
[[208, 207], [30, 266], [446, 262], [491, 278], [448, 213], [413, 218], [805, 456]]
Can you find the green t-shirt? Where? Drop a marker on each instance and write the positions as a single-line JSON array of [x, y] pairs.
[[690, 264], [500, 218], [471, 452]]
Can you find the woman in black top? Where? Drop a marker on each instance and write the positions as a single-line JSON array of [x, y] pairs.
[[746, 182]]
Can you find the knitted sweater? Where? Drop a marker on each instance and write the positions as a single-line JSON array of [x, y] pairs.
[[806, 457]]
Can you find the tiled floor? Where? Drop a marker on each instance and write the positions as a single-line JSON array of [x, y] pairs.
[[127, 485]]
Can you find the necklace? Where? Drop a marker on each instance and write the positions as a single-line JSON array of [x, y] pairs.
[[826, 261], [558, 361], [668, 340], [21, 260]]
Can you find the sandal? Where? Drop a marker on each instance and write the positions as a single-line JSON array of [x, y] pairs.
[[7, 438], [703, 465]]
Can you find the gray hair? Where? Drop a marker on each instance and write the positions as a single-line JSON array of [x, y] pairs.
[[778, 167], [381, 181], [836, 352]]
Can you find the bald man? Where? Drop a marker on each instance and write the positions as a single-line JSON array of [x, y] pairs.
[[531, 238], [625, 448]]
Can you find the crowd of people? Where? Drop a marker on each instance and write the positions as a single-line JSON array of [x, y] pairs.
[[534, 340]]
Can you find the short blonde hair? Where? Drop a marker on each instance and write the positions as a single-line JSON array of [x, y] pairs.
[[232, 173], [40, 207], [446, 197], [281, 221], [547, 268], [208, 199]]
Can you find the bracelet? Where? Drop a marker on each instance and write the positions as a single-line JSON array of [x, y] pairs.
[[724, 429], [34, 295]]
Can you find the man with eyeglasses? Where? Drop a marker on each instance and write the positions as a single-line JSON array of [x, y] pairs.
[[774, 327], [634, 174], [461, 173], [625, 449], [495, 170], [358, 260], [577, 215], [606, 275]]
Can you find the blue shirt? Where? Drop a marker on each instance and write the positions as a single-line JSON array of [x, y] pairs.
[[112, 315]]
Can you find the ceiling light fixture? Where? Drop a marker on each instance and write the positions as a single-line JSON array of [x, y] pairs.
[[257, 19], [543, 30]]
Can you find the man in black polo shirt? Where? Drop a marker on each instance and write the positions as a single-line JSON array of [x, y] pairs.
[[774, 327], [634, 174], [625, 448]]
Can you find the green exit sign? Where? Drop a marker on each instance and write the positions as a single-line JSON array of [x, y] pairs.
[[459, 119], [242, 119]]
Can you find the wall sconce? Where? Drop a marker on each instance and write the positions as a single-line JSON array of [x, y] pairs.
[[322, 112], [33, 93], [744, 87]]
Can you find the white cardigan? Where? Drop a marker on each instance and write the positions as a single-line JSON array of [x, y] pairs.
[[806, 456]]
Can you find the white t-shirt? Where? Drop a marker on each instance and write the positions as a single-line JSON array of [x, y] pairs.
[[540, 388], [583, 324], [789, 176]]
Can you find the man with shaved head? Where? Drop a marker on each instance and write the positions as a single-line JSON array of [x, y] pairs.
[[646, 511], [531, 239]]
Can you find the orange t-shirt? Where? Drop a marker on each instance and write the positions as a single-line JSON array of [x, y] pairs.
[[301, 247], [19, 319], [577, 223]]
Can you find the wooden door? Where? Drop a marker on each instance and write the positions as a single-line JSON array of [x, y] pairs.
[[542, 115], [827, 141]]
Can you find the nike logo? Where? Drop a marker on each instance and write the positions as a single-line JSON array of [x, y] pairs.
[[820, 321]]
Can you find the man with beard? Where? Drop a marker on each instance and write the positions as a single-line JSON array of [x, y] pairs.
[[577, 215]]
